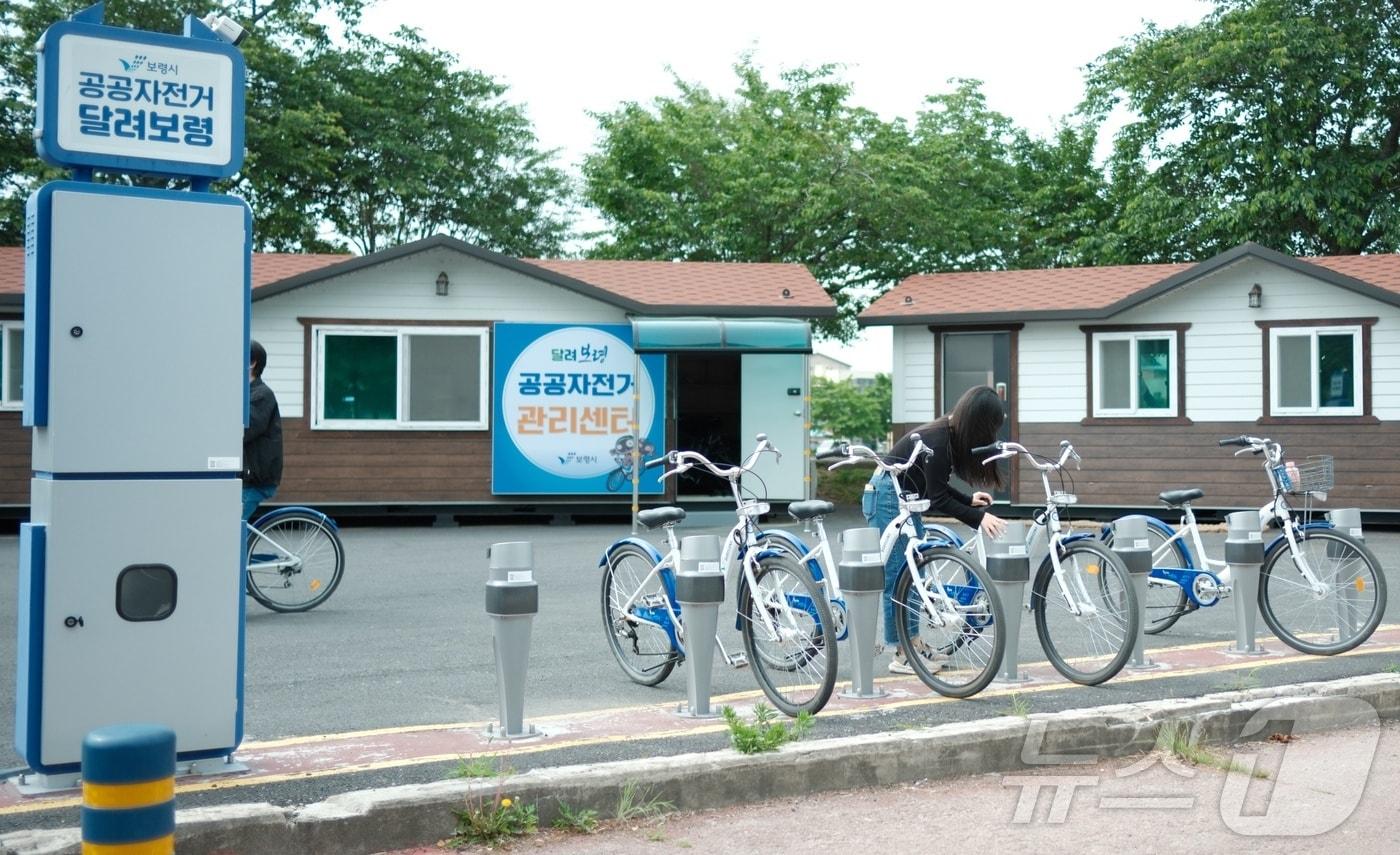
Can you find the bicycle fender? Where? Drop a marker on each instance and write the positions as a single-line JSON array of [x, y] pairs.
[[273, 516], [1282, 539], [937, 531], [937, 543], [650, 550], [798, 546]]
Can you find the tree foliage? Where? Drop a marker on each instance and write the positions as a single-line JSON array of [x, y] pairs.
[[378, 141], [843, 410], [1271, 120]]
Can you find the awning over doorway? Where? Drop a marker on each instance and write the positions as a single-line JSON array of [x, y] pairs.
[[750, 335]]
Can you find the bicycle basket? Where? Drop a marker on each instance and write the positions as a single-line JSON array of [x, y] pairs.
[[1313, 475]]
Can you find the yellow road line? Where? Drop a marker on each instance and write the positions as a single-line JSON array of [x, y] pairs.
[[698, 730]]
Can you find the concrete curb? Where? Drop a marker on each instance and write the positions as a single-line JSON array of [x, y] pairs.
[[398, 817]]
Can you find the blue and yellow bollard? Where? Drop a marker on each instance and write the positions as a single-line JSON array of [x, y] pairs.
[[129, 790]]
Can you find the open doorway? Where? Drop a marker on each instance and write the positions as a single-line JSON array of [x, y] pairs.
[[707, 416]]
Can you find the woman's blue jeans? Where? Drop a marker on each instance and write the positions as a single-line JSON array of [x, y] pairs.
[[880, 504]]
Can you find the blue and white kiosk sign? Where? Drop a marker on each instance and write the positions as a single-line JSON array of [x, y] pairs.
[[563, 421], [133, 101]]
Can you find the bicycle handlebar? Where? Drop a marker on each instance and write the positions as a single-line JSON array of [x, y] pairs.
[[1256, 444], [1235, 440], [1011, 449], [853, 454], [683, 461], [985, 449]]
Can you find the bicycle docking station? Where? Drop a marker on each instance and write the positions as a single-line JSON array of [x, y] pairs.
[[1244, 554], [1009, 568], [1133, 547], [863, 583], [512, 601], [699, 591]]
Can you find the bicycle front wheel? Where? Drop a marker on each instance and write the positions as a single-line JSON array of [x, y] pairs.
[[1087, 616], [637, 632], [949, 623], [789, 635], [1338, 615], [295, 562]]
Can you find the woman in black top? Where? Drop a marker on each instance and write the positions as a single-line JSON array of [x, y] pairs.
[[974, 422]]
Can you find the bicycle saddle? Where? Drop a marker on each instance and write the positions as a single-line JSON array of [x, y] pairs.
[[1173, 498], [653, 517], [807, 510]]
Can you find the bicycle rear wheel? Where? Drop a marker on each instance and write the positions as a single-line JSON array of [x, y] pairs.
[[1335, 619], [794, 658], [956, 647], [1166, 601], [295, 562], [1092, 646], [635, 633]]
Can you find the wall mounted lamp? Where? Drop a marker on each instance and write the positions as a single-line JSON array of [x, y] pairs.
[[1256, 296], [442, 284]]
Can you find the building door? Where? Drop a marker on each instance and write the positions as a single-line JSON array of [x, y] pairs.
[[707, 417], [772, 401], [976, 359]]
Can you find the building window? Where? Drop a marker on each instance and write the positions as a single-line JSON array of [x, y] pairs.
[[1134, 373], [11, 365], [401, 378], [1316, 371]]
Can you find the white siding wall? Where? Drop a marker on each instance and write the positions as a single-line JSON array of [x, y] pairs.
[[1224, 357], [912, 392], [404, 290]]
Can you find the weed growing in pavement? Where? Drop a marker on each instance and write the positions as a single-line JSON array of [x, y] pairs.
[[639, 803], [1393, 668], [1178, 738], [582, 821], [481, 766], [1242, 682], [493, 820], [1019, 706], [766, 733]]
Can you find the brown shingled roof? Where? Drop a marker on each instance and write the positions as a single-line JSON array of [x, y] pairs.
[[1067, 292], [268, 267], [699, 284]]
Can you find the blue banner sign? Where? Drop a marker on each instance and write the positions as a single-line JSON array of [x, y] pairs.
[[563, 420]]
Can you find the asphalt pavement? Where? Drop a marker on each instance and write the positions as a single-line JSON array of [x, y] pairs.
[[405, 642]]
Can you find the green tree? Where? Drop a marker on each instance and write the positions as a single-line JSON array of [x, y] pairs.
[[433, 149], [844, 410], [1271, 120], [380, 141], [776, 174]]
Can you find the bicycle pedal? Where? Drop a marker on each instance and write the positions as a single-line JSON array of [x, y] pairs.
[[739, 660]]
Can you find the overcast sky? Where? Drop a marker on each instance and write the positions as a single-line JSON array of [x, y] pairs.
[[562, 60]]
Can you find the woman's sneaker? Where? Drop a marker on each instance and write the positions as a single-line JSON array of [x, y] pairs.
[[933, 660]]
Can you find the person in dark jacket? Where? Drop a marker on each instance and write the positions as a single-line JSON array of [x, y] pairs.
[[974, 422], [262, 438]]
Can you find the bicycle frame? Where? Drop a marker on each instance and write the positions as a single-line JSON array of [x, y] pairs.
[[287, 561]]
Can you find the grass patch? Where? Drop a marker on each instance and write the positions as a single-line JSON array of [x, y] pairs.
[[638, 803], [1019, 706], [1393, 668], [766, 733], [492, 821], [1179, 738], [481, 766], [1242, 682], [582, 821]]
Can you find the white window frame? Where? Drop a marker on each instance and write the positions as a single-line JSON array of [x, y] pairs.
[[400, 334], [1359, 367], [11, 399], [1173, 364]]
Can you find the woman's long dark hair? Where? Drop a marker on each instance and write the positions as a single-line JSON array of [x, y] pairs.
[[974, 422]]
